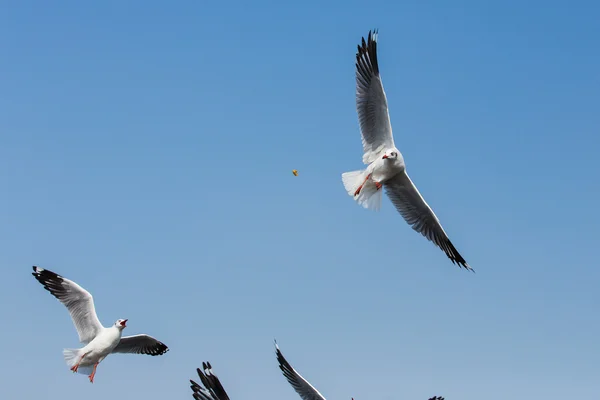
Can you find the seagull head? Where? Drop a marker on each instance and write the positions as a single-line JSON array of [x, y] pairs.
[[121, 324], [391, 154]]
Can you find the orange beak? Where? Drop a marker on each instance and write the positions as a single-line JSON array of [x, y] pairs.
[[123, 323], [384, 157]]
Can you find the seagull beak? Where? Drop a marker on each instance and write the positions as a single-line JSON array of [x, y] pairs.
[[384, 157], [123, 323]]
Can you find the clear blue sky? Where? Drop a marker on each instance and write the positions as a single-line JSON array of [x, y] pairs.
[[146, 151]]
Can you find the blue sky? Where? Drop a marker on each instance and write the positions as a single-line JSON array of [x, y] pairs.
[[146, 152]]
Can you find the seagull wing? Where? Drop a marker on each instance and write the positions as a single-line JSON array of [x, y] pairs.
[[300, 385], [78, 301], [141, 344], [417, 213], [212, 390], [371, 103]]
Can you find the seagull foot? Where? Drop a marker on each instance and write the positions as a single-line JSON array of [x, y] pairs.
[[378, 185], [361, 186], [93, 373], [75, 367]]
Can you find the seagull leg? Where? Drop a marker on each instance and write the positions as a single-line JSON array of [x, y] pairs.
[[93, 373], [377, 185], [361, 186], [75, 367]]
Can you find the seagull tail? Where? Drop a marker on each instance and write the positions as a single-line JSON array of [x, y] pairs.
[[369, 197], [72, 356]]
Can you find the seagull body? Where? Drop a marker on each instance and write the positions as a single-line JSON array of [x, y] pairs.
[[99, 341], [211, 388], [89, 356], [386, 167]]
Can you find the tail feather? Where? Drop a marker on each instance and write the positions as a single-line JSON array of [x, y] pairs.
[[369, 197], [72, 357], [352, 180]]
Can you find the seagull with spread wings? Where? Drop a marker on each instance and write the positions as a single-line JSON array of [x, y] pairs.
[[386, 168], [304, 389], [99, 341], [211, 388]]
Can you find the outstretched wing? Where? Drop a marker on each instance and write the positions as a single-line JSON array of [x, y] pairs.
[[371, 102], [300, 385], [417, 213], [141, 344], [212, 390], [437, 398], [78, 301]]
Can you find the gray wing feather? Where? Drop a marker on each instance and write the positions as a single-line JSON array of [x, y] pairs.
[[371, 102], [300, 385], [141, 344], [417, 213], [78, 301]]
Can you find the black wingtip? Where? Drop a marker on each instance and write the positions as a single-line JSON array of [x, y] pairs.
[[51, 281], [454, 256], [366, 56], [283, 362], [158, 350], [161, 349], [463, 264], [45, 273], [373, 35]]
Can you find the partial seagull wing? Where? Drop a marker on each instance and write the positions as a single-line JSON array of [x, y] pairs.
[[212, 390], [300, 385], [141, 344], [371, 102], [78, 301], [417, 213], [437, 398]]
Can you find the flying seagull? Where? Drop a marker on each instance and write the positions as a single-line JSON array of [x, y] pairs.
[[386, 166], [212, 390], [99, 341], [304, 389]]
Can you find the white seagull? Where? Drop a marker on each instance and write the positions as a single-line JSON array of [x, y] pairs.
[[99, 341], [301, 385], [386, 166], [211, 389]]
